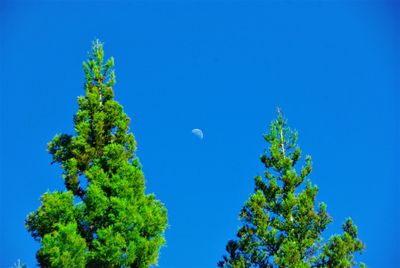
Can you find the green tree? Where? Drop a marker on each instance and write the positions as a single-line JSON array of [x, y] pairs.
[[104, 218], [281, 224]]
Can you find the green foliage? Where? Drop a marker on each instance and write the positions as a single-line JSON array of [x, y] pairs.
[[282, 225], [64, 247], [104, 218]]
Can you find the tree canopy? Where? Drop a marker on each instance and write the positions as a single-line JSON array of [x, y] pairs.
[[104, 218], [282, 225]]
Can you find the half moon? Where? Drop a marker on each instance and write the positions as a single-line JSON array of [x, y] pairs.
[[198, 133]]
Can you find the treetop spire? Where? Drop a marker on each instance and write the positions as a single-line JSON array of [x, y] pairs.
[[97, 73]]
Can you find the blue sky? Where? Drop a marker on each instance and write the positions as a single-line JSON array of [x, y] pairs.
[[333, 67]]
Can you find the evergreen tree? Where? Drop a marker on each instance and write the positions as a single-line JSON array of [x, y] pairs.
[[104, 218], [281, 226], [18, 264]]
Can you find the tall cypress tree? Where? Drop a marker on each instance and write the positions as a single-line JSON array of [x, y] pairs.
[[281, 226], [104, 218]]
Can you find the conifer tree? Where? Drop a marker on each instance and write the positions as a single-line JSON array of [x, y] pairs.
[[104, 218], [281, 224]]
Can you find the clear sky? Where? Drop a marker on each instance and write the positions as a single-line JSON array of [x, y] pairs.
[[222, 66]]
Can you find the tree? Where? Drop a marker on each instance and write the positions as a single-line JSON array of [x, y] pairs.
[[281, 226], [18, 264], [104, 218]]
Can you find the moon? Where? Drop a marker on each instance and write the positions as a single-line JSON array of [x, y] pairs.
[[198, 133]]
